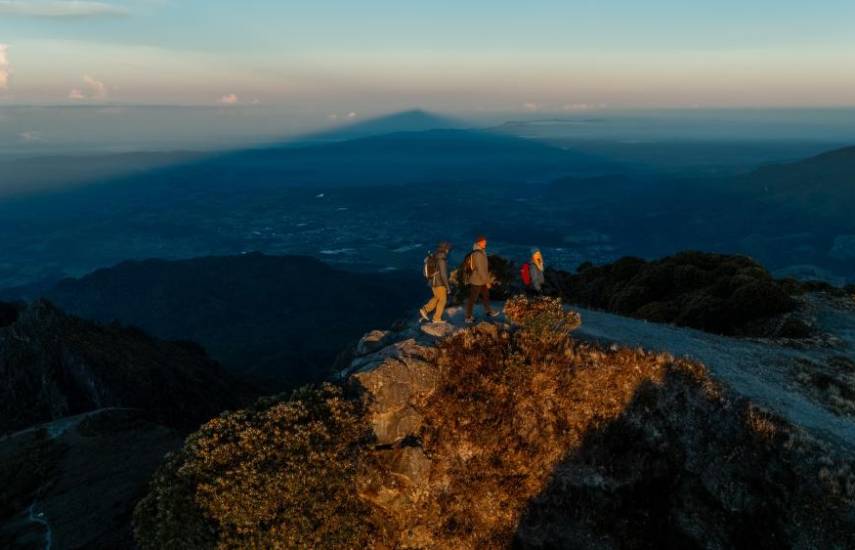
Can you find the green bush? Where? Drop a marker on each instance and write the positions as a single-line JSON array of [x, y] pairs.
[[718, 293]]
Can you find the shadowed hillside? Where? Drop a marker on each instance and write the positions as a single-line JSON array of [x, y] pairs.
[[54, 365], [73, 483], [278, 318], [820, 186]]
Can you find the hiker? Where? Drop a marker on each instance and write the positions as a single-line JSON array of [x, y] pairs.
[[478, 270], [436, 273], [532, 272]]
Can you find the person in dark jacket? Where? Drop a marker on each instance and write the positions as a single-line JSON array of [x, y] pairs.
[[438, 281], [479, 279]]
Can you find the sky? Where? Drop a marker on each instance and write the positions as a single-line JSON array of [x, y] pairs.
[[343, 58]]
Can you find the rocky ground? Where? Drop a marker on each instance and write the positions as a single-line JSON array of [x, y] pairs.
[[808, 382]]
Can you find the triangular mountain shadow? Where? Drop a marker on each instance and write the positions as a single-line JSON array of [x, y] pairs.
[[415, 120]]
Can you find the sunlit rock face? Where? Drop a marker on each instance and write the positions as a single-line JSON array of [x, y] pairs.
[[513, 437]]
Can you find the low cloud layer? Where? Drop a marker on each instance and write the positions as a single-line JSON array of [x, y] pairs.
[[349, 116], [59, 8], [29, 137], [91, 89], [229, 99]]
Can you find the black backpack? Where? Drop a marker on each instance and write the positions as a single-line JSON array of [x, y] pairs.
[[431, 267], [468, 266], [469, 262]]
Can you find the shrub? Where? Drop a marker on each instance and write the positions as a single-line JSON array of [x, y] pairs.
[[541, 316], [713, 292], [278, 475]]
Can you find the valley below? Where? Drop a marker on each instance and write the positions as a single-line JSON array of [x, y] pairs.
[[222, 350]]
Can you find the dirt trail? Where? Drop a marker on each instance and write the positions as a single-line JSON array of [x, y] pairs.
[[756, 370]]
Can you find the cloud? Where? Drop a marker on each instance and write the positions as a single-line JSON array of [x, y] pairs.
[[229, 99], [4, 67], [30, 137], [60, 8], [582, 107], [349, 116], [92, 89]]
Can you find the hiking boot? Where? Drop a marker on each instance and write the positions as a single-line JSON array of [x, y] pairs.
[[423, 314], [469, 320]]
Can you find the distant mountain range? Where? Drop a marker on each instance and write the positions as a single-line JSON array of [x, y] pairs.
[[409, 179], [281, 319]]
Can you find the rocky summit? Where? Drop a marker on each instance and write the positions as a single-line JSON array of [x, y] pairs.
[[517, 434]]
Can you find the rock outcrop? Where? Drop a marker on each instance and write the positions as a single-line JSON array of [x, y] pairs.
[[492, 437], [509, 435]]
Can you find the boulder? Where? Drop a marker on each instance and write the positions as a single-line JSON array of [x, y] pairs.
[[393, 381], [373, 341]]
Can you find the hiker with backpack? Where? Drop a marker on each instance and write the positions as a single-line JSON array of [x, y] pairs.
[[436, 274], [477, 270], [531, 272]]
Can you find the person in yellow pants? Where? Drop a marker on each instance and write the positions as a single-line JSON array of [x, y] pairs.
[[436, 273]]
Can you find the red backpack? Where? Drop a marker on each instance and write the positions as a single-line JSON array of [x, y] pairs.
[[525, 273]]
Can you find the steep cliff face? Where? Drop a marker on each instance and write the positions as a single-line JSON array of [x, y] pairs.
[[511, 435], [54, 365]]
